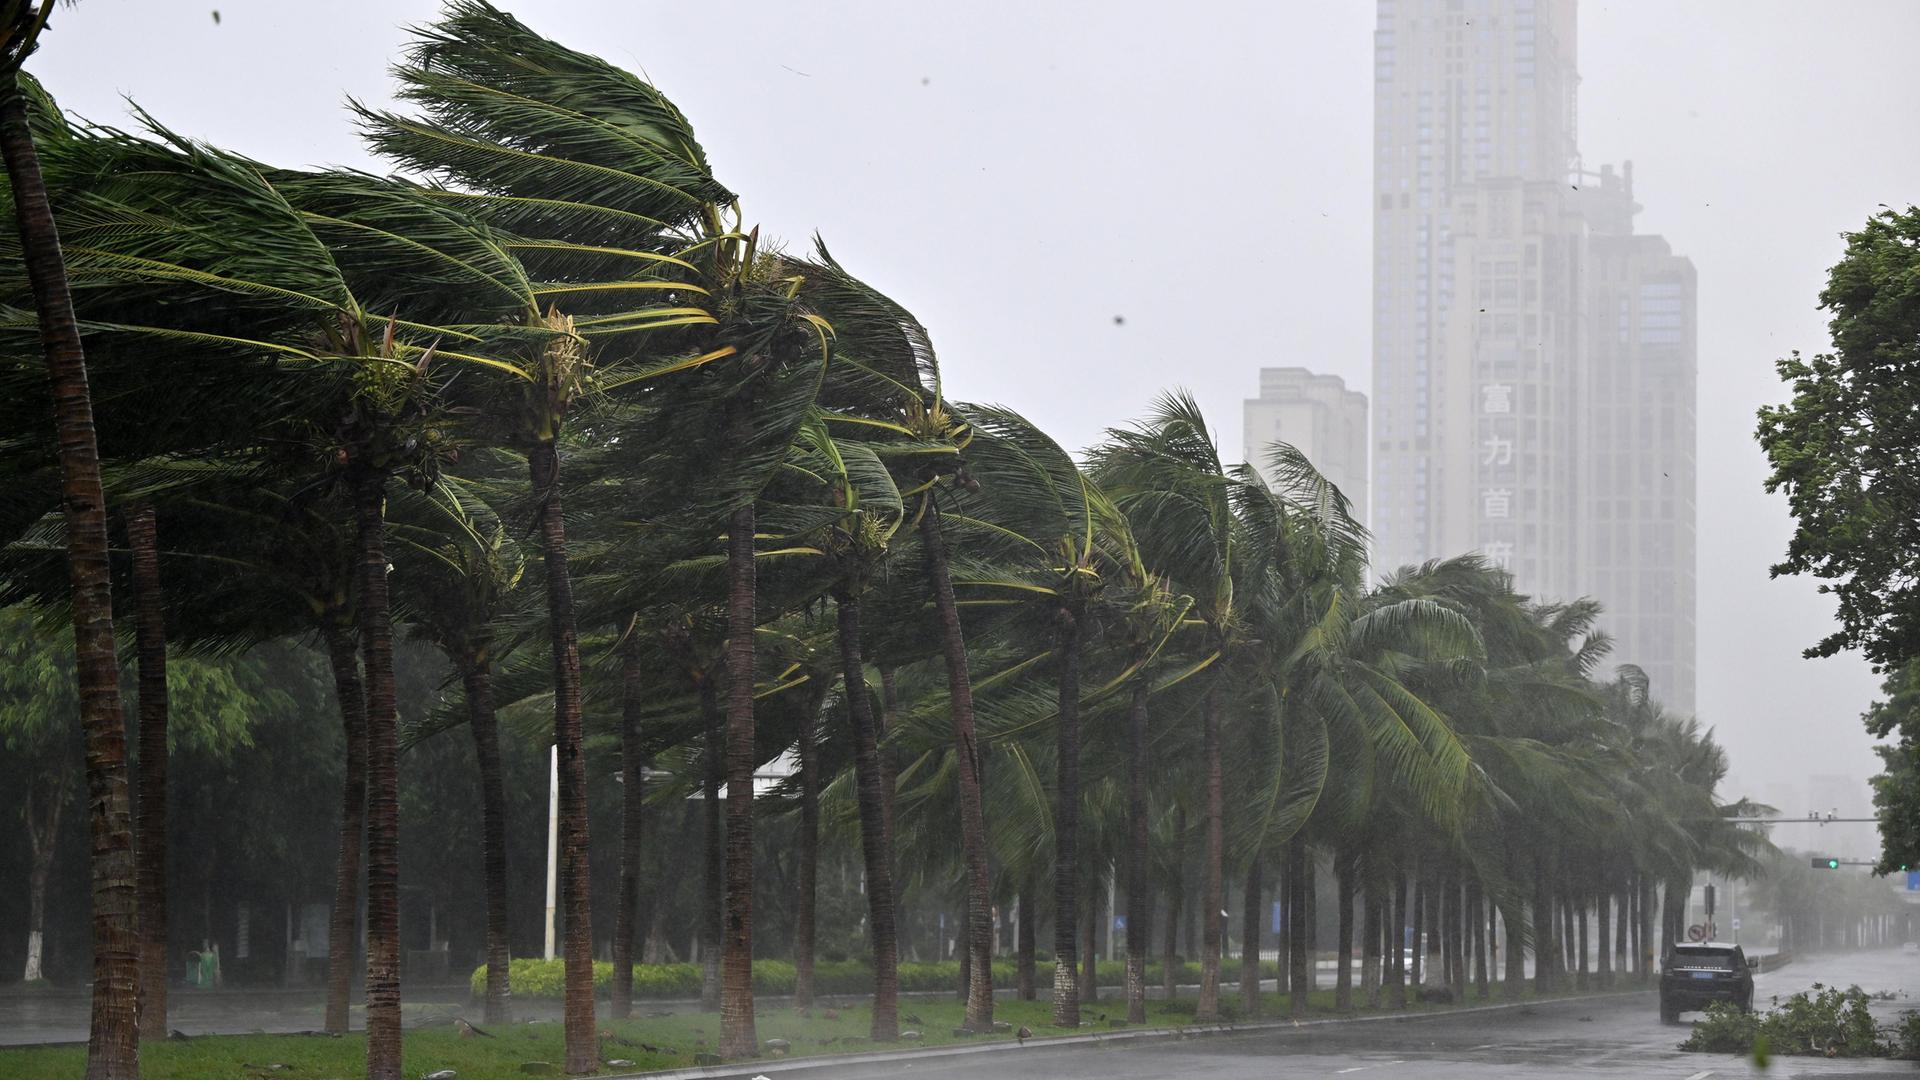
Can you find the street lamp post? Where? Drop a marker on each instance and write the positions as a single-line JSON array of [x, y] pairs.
[[553, 841]]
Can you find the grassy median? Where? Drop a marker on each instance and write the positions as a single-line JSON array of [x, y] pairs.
[[647, 1042]]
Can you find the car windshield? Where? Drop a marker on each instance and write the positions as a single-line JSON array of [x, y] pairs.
[[1718, 959]]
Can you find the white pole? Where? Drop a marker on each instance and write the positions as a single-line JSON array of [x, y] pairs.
[[553, 841]]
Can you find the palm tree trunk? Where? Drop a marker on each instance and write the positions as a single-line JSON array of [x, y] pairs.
[[808, 871], [1169, 948], [1673, 913], [1343, 976], [1138, 885], [1090, 948], [1250, 939], [1622, 911], [1370, 941], [476, 678], [1477, 935], [1543, 933], [889, 766], [713, 884], [1650, 950], [1300, 919], [1024, 941], [383, 784], [963, 949], [113, 1043], [351, 695], [973, 822], [150, 638], [1283, 938], [875, 842], [1516, 977], [576, 882], [1571, 943], [1066, 818], [633, 790], [1208, 1009], [738, 1038], [1457, 936], [1396, 945]]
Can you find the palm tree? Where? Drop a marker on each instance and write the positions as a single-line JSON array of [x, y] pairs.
[[860, 487], [1167, 477], [633, 769], [150, 637], [973, 827], [458, 572], [112, 1042], [312, 301], [1039, 537], [512, 121], [342, 647], [535, 138]]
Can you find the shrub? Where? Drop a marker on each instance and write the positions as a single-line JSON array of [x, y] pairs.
[[1827, 1021], [1726, 1030], [532, 978], [1905, 1036]]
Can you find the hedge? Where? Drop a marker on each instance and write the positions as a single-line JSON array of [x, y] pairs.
[[545, 978]]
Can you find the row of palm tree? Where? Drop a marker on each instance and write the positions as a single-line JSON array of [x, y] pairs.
[[336, 406]]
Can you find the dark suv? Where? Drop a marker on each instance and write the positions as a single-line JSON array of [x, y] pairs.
[[1703, 972]]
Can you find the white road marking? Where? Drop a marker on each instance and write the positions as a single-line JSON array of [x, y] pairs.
[[1356, 1068], [1701, 1075]]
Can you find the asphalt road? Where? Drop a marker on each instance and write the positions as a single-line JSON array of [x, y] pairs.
[[1620, 1036]]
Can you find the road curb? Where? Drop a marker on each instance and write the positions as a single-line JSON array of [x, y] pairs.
[[795, 1067]]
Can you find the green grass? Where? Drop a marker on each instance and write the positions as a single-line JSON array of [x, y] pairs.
[[675, 1039]]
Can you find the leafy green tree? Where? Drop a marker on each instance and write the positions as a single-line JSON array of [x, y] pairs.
[[1896, 790], [216, 703], [1845, 448]]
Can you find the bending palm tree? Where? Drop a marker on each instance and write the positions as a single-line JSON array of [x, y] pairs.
[[112, 1042]]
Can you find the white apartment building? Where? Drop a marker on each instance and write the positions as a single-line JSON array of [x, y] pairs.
[[1317, 415], [1499, 372]]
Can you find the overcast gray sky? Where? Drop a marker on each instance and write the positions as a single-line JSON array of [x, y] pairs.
[[1021, 173]]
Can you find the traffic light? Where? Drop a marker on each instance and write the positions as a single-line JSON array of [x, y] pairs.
[[1822, 862]]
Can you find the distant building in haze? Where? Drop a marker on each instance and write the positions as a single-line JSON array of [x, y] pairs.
[[1637, 460], [1500, 371], [1320, 417]]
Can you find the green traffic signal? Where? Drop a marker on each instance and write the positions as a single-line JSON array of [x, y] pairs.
[[1824, 863], [1833, 864]]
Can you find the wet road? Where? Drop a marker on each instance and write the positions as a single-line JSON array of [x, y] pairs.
[[1621, 1037]]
